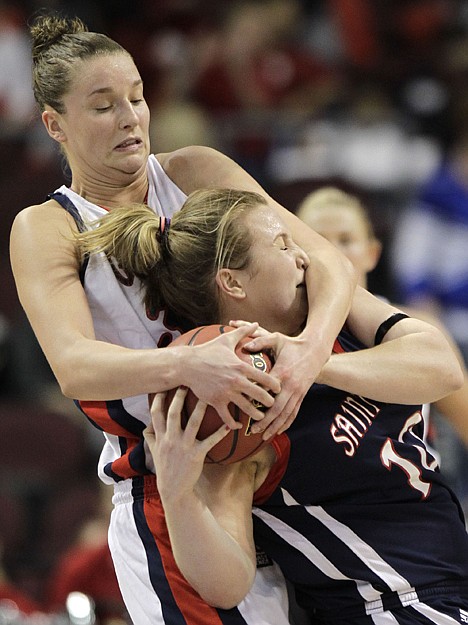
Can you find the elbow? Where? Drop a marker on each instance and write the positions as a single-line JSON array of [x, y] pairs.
[[447, 381], [70, 383], [227, 593], [67, 385], [227, 598], [456, 378]]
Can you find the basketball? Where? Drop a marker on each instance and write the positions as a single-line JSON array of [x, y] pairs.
[[237, 444]]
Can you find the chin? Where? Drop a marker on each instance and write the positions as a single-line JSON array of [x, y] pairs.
[[133, 166]]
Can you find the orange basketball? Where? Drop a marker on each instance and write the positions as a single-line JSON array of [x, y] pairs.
[[238, 444]]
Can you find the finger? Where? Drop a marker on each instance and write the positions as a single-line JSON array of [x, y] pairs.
[[291, 418], [256, 383], [196, 419], [149, 434], [237, 323], [277, 414], [259, 395], [226, 417], [240, 333], [174, 413], [213, 439], [276, 427], [251, 408], [158, 413], [261, 342]]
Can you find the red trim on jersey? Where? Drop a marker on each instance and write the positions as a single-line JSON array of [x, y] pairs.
[[282, 446], [337, 348], [121, 466], [98, 412], [191, 605]]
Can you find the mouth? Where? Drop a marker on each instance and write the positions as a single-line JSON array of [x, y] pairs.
[[129, 143]]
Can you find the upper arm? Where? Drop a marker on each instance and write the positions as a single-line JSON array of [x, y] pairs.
[[368, 312], [45, 266], [196, 167]]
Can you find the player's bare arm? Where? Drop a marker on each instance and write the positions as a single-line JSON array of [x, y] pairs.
[[207, 507], [46, 268], [413, 364]]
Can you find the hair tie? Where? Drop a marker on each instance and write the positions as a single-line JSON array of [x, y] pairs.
[[163, 232]]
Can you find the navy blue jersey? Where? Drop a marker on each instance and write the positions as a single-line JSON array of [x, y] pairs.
[[361, 520]]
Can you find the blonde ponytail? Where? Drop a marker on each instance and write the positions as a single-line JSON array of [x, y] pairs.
[[129, 234]]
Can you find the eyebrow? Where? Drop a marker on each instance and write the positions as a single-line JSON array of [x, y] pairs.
[[137, 83], [281, 235]]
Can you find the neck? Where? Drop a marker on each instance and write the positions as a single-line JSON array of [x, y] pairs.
[[111, 194]]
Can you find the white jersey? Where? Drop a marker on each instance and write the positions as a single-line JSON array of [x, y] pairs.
[[120, 318], [152, 587]]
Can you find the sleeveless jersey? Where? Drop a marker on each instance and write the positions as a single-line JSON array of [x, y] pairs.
[[152, 587], [119, 317], [356, 512]]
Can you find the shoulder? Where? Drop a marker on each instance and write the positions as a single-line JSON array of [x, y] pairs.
[[196, 166], [40, 222], [185, 157], [38, 214]]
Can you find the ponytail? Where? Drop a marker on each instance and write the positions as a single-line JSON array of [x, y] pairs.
[[130, 234]]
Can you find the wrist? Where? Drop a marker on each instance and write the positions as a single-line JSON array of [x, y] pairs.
[[317, 343]]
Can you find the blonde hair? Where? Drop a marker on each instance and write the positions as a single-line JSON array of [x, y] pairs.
[[177, 263], [331, 197]]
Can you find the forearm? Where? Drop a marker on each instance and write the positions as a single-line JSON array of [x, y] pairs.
[[412, 369], [330, 287], [207, 555], [95, 370]]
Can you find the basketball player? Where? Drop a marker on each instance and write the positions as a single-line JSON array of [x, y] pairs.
[[348, 500], [89, 320]]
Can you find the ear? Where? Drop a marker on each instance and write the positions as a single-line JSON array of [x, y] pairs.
[[51, 120], [230, 283]]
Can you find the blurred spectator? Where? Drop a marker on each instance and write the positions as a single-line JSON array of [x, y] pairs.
[[16, 99], [391, 37], [430, 262], [430, 254], [367, 144], [260, 75], [176, 120], [16, 599], [260, 63], [87, 567]]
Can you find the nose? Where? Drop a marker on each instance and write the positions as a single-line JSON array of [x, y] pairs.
[[128, 117], [302, 259]]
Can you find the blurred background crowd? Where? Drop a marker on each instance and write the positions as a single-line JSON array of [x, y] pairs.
[[370, 96]]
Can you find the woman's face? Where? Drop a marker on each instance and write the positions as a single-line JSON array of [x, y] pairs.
[[274, 280], [105, 126], [347, 230]]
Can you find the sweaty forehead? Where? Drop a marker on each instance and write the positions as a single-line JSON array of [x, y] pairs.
[[266, 222]]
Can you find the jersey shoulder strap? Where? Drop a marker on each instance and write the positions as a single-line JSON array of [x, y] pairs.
[[68, 205]]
